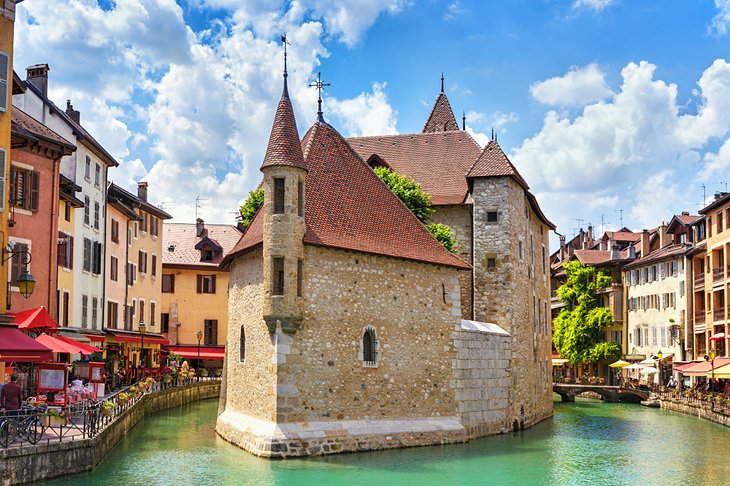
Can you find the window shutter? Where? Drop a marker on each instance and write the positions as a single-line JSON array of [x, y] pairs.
[[172, 283], [200, 284], [154, 265], [71, 252], [4, 80], [212, 284], [35, 182]]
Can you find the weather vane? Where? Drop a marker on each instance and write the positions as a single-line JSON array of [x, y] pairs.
[[284, 42], [319, 86]]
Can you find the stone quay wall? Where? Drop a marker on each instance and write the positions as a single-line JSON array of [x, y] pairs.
[[697, 411], [512, 290], [481, 381], [21, 465]]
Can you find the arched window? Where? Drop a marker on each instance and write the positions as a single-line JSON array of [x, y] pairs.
[[369, 350], [243, 345]]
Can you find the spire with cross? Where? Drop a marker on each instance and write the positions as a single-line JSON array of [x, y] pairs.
[[319, 86], [442, 82]]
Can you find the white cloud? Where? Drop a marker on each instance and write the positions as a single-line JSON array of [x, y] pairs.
[[366, 114], [596, 5], [721, 20], [192, 111], [577, 87], [453, 10], [641, 129], [717, 163]]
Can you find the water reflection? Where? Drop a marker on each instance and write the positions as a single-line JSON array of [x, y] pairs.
[[586, 442]]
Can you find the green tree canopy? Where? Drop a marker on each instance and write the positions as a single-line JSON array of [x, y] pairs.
[[254, 200], [419, 202], [579, 331]]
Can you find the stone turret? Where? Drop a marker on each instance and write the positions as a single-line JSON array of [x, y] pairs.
[[284, 172]]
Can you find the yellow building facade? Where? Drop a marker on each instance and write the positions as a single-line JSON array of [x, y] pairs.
[[7, 29], [711, 279], [195, 289]]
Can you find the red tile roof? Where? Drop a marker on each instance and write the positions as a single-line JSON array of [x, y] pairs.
[[284, 147], [437, 161], [669, 251], [27, 125], [441, 118], [621, 236], [492, 162], [182, 237], [597, 257], [347, 206]]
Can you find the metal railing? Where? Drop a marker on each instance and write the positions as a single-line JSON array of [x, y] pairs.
[[45, 424], [700, 280], [718, 274], [715, 402]]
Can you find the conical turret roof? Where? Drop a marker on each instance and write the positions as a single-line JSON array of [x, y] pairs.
[[284, 147], [442, 116]]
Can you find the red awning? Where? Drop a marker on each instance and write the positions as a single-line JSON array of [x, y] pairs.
[[37, 318], [191, 352], [701, 368], [95, 337], [87, 349], [58, 345], [683, 366], [16, 346], [135, 337], [718, 336]]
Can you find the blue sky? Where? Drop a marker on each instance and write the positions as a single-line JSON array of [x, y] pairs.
[[606, 107]]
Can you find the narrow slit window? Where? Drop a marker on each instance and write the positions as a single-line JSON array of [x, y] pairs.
[[369, 344], [278, 276], [243, 345], [300, 268], [278, 196], [300, 198]]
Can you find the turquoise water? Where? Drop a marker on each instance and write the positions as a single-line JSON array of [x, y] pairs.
[[586, 442]]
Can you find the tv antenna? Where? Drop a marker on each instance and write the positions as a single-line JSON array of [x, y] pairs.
[[197, 204], [704, 195], [620, 218]]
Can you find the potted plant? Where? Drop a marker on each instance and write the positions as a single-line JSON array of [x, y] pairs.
[[133, 390], [55, 417], [203, 372], [219, 372], [107, 408], [122, 398]]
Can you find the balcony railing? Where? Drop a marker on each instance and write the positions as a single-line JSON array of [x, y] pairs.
[[718, 274], [699, 317], [700, 280], [718, 314]]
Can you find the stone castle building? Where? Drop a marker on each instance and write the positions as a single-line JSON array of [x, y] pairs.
[[351, 328]]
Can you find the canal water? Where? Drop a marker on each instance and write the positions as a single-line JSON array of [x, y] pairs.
[[586, 442]]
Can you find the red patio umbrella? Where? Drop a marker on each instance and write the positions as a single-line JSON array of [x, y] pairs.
[[37, 318], [59, 346]]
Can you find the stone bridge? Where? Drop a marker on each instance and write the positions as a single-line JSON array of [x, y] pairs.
[[611, 394]]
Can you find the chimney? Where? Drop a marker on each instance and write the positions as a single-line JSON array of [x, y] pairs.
[[632, 251], [590, 236], [663, 240], [644, 243], [582, 239], [142, 190], [562, 248], [615, 253], [75, 115], [685, 213], [199, 227], [37, 75]]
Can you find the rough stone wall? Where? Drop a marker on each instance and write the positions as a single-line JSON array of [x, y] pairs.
[[251, 381], [481, 381], [49, 460], [512, 289], [413, 308], [459, 218]]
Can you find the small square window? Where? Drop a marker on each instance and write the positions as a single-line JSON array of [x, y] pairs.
[[491, 263], [492, 216]]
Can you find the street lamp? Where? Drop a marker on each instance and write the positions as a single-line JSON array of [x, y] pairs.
[[713, 353], [142, 329], [659, 367], [200, 336]]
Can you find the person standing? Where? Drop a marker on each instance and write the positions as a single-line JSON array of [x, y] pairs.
[[11, 395]]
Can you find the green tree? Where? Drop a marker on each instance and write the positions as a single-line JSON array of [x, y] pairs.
[[419, 202], [254, 200], [579, 331]]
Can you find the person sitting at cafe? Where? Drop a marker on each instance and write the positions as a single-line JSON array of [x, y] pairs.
[[10, 396], [76, 383]]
